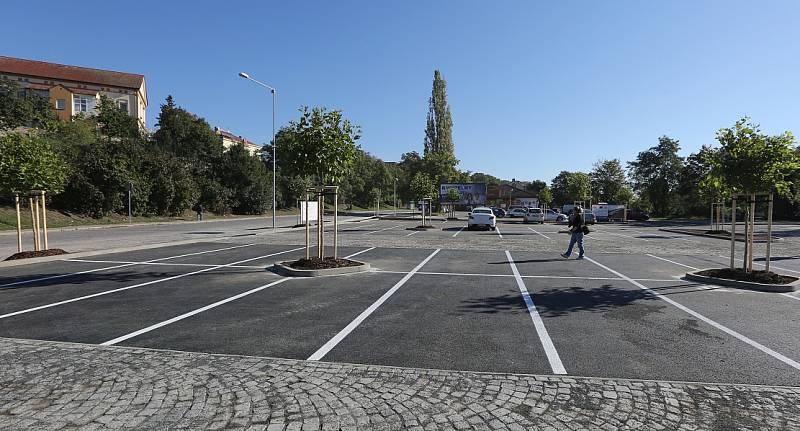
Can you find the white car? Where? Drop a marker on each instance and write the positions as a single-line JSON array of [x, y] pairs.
[[534, 215], [482, 217], [550, 215], [517, 212]]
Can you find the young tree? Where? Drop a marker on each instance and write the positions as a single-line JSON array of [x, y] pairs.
[[545, 195], [453, 196], [422, 186], [28, 163], [656, 172], [321, 145], [749, 162]]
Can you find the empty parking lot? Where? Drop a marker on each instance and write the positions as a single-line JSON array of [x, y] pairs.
[[446, 298]]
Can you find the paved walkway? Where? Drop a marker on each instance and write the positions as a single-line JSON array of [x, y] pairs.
[[47, 385]]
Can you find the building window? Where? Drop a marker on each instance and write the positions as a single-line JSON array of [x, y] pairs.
[[123, 104], [61, 104], [81, 104]]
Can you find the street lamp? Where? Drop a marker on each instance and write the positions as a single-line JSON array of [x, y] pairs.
[[274, 144], [394, 190]]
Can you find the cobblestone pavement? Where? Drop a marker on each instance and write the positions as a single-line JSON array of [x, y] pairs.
[[47, 385]]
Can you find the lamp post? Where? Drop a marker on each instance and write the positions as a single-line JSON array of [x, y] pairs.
[[274, 144], [394, 192]]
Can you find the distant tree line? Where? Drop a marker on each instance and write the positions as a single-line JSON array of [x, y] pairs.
[[92, 160]]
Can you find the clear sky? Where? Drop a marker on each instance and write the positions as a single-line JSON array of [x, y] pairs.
[[535, 87]]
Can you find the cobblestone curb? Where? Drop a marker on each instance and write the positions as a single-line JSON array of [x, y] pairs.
[[58, 386]]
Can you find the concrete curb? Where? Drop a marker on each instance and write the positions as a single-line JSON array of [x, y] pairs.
[[20, 262], [284, 269], [777, 288], [726, 238]]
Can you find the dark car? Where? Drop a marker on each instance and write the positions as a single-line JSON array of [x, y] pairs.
[[638, 215], [633, 215], [498, 212]]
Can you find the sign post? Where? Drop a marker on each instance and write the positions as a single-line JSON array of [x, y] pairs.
[[130, 213]]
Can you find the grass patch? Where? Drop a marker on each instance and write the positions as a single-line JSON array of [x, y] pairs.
[[65, 219]]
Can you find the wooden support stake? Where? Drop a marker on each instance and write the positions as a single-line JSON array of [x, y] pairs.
[[19, 223], [308, 233], [336, 223], [33, 224], [769, 230], [44, 222], [320, 224], [752, 232]]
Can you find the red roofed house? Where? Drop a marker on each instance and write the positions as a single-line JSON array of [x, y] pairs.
[[229, 140], [74, 90]]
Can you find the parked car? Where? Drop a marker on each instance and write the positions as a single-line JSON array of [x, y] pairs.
[[517, 212], [555, 216], [589, 218], [534, 215], [482, 217], [633, 214], [638, 215], [498, 212]]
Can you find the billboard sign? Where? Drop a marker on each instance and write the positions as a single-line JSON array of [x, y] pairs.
[[471, 193]]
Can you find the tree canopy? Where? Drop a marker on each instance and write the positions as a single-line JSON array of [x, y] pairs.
[[27, 162], [748, 161], [321, 145]]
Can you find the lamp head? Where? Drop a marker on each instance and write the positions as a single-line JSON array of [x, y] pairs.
[[244, 75]]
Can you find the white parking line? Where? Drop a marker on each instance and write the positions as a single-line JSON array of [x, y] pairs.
[[555, 277], [359, 252], [51, 277], [757, 263], [459, 231], [190, 313], [539, 233], [327, 347], [544, 337], [381, 230], [788, 361], [202, 265], [671, 261], [414, 233], [497, 229], [160, 280], [788, 295]]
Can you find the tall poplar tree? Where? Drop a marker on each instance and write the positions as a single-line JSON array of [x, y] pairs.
[[439, 157], [439, 130]]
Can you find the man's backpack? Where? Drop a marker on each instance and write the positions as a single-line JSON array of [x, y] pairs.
[[586, 230]]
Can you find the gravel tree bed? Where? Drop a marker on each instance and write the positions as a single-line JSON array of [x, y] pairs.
[[41, 253], [753, 277]]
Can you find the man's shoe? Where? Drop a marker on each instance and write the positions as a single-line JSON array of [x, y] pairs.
[[564, 255], [580, 258]]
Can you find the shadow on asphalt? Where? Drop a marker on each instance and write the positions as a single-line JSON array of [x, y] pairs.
[[101, 277], [563, 300], [559, 301]]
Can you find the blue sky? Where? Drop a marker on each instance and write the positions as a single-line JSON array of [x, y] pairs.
[[534, 87]]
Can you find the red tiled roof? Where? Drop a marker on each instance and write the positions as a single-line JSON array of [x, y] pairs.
[[233, 137], [43, 69]]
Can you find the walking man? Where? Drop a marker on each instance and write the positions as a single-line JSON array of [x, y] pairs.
[[576, 229], [199, 209]]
